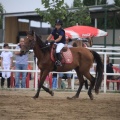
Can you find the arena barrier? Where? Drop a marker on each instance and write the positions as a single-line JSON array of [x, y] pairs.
[[72, 82]]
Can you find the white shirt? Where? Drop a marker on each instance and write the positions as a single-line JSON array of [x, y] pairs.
[[6, 55]]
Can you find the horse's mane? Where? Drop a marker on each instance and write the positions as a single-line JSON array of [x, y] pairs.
[[42, 45]]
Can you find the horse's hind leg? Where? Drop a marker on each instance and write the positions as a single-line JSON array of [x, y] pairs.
[[81, 82], [92, 83]]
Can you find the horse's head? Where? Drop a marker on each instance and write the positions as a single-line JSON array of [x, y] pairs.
[[29, 42]]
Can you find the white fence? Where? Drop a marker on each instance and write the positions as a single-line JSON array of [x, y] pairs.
[[74, 74]]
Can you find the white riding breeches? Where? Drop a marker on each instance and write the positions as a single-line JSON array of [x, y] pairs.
[[59, 47], [6, 74]]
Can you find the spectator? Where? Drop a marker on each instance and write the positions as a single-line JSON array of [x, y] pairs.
[[61, 75], [21, 64], [54, 81], [6, 64], [109, 69]]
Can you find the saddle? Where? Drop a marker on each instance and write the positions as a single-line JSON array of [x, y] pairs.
[[66, 55]]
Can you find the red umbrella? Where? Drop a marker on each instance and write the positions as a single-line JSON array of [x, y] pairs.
[[83, 32]]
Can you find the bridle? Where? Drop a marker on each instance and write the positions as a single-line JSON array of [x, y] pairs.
[[34, 41]]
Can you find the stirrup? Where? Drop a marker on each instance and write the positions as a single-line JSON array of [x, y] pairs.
[[58, 63]]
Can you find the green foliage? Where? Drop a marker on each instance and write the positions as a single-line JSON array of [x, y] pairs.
[[77, 3], [110, 20], [103, 1], [91, 2], [57, 9], [100, 21], [117, 3], [79, 15]]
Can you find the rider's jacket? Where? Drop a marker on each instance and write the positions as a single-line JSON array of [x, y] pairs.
[[56, 33]]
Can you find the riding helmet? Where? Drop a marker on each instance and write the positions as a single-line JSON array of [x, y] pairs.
[[58, 21]]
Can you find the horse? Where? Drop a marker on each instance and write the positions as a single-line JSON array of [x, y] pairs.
[[82, 43], [78, 43], [82, 61]]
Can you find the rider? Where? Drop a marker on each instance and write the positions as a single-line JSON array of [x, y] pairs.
[[59, 38]]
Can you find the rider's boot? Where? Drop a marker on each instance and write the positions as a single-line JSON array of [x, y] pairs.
[[59, 58]]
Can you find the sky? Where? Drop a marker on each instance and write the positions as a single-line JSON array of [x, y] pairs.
[[12, 6]]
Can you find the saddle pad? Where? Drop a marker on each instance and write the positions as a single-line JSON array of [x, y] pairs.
[[66, 56]]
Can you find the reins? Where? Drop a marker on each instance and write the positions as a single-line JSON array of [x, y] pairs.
[[45, 47]]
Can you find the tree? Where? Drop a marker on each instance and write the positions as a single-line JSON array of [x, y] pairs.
[[100, 21], [77, 3], [1, 11], [110, 21], [91, 2], [80, 15], [117, 3], [57, 9]]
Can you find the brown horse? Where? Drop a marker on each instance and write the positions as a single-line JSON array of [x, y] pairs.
[[78, 43], [81, 43], [82, 61]]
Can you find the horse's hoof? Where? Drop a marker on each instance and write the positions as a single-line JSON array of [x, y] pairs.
[[72, 98], [96, 92], [91, 97], [35, 97], [52, 93], [69, 98]]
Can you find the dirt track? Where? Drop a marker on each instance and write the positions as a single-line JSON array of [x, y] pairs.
[[18, 105]]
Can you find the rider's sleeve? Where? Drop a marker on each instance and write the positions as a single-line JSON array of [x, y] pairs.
[[53, 32], [61, 33]]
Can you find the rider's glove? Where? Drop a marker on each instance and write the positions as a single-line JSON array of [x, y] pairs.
[[52, 42], [46, 42]]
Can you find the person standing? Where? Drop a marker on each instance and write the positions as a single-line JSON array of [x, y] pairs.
[[59, 38], [21, 64], [54, 81], [6, 64], [68, 75]]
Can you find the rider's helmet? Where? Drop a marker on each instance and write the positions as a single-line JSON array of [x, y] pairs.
[[58, 21]]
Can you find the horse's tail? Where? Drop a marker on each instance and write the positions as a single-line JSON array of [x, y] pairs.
[[99, 70]]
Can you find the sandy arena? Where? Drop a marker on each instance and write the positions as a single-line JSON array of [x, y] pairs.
[[19, 105]]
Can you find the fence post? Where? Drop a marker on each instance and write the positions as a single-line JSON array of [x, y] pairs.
[[105, 77], [36, 75]]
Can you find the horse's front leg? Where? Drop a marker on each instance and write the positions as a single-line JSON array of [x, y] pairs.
[[48, 90], [43, 75]]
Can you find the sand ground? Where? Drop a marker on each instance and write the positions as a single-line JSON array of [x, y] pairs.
[[19, 105]]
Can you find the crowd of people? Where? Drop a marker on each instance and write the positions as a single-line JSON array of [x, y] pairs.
[[20, 64]]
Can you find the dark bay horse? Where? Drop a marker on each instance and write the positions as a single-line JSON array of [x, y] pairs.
[[82, 61]]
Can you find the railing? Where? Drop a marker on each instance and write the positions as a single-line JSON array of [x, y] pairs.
[[72, 82]]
